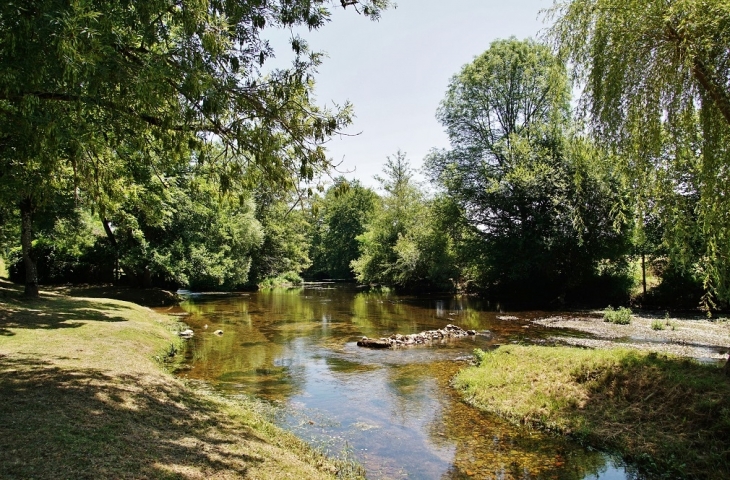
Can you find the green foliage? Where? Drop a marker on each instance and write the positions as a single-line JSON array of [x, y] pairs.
[[286, 279], [286, 241], [543, 207], [657, 325], [656, 91], [403, 245], [105, 98], [479, 356], [619, 316], [338, 219]]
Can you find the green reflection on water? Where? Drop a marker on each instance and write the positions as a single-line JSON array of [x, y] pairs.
[[286, 345]]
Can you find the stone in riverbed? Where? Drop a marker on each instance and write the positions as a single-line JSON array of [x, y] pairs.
[[429, 336]]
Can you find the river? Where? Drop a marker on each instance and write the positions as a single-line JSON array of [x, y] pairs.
[[391, 410]]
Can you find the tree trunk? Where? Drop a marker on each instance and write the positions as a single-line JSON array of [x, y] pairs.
[[726, 369], [643, 273], [26, 242], [137, 279]]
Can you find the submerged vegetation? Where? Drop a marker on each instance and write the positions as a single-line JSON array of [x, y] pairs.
[[668, 414]]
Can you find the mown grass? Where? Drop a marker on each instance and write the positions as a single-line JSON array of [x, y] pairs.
[[81, 396], [669, 415]]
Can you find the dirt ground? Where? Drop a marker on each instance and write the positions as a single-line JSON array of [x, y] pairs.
[[697, 337]]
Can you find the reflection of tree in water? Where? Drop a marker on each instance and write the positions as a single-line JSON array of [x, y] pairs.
[[377, 313], [487, 447], [243, 359]]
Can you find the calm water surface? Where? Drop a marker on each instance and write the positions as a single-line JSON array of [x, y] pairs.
[[391, 410]]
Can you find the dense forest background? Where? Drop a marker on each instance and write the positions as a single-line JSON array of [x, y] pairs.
[[143, 145]]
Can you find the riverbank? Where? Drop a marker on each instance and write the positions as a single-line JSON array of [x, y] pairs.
[[668, 414], [84, 394], [695, 337]]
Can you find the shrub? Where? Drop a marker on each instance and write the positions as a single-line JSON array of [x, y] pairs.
[[657, 325], [285, 279], [620, 316]]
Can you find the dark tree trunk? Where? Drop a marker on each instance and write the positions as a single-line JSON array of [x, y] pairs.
[[643, 273], [26, 242], [726, 369], [137, 279]]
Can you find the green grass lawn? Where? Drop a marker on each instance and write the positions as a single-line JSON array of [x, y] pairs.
[[83, 394], [670, 415]]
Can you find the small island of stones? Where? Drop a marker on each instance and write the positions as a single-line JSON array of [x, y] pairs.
[[423, 338]]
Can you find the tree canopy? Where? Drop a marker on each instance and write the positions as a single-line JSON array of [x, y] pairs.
[[98, 91], [655, 79], [539, 198]]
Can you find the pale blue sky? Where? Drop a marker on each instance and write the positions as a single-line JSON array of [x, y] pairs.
[[396, 71]]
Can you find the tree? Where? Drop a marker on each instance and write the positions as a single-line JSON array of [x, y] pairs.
[[286, 244], [537, 198], [83, 79], [340, 217], [402, 245], [655, 89]]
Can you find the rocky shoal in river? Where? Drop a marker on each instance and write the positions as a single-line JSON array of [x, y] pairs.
[[423, 338]]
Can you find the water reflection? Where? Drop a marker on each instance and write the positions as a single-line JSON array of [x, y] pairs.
[[394, 409]]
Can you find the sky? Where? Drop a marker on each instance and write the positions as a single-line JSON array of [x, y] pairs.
[[396, 71]]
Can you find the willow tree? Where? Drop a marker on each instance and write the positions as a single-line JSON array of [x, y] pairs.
[[656, 88], [83, 81]]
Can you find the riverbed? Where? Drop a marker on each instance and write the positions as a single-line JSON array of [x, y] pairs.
[[393, 411]]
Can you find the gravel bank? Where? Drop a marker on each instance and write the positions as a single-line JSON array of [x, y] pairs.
[[689, 337]]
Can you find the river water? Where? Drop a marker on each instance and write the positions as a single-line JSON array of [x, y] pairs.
[[391, 410]]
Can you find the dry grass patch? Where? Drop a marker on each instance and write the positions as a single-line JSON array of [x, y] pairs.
[[82, 397], [668, 414]]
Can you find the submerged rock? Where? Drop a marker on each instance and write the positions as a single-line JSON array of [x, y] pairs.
[[186, 333], [426, 337]]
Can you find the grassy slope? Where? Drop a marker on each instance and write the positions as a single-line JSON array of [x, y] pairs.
[[671, 415], [82, 397]]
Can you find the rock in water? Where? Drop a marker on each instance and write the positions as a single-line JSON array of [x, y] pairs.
[[374, 343], [186, 333], [427, 337]]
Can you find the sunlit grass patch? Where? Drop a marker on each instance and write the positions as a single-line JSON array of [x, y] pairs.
[[668, 414]]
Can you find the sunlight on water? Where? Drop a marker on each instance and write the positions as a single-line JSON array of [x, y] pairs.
[[393, 410]]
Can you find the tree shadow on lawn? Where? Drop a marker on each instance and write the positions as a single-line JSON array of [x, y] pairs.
[[56, 423], [52, 313]]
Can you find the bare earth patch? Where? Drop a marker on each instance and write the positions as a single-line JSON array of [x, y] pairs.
[[687, 337]]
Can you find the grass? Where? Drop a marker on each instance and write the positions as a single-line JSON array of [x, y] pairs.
[[620, 316], [667, 414], [82, 396], [658, 325]]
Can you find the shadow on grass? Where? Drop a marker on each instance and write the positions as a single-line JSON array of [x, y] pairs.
[[148, 297], [46, 313], [56, 423], [669, 414]]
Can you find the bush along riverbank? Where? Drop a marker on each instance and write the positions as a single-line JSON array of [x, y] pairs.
[[669, 415], [84, 394]]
